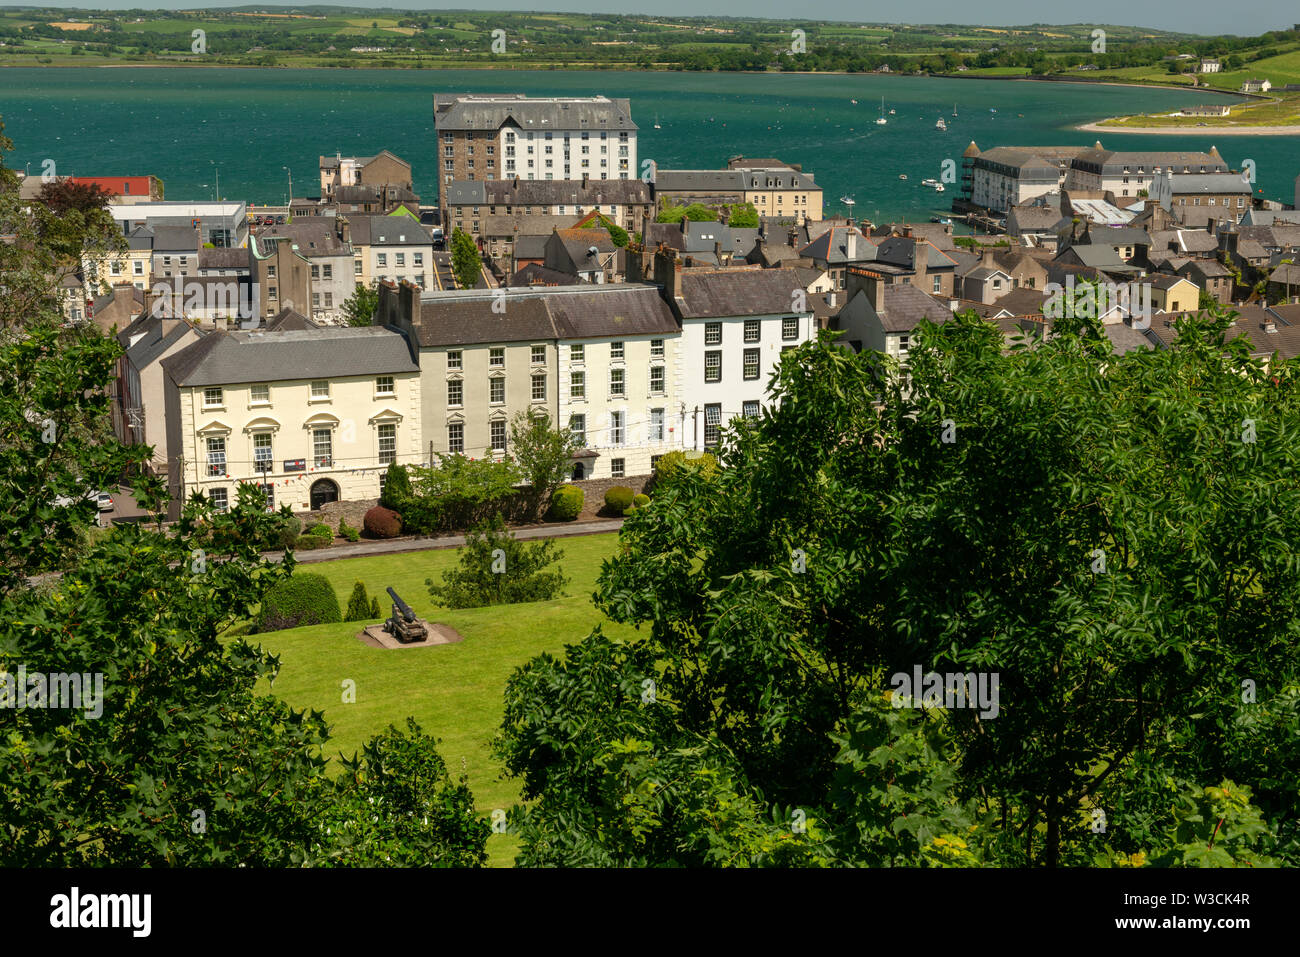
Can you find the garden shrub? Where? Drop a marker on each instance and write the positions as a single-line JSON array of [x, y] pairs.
[[308, 542], [289, 530], [618, 498], [382, 522], [640, 500], [348, 532], [397, 488], [361, 607], [566, 503], [320, 530], [303, 599]]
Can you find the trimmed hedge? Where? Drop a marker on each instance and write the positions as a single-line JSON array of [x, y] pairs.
[[382, 522], [566, 503], [304, 599], [640, 499], [618, 498], [348, 532], [290, 529]]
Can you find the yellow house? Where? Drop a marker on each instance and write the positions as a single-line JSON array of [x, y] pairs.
[[1174, 294], [313, 416]]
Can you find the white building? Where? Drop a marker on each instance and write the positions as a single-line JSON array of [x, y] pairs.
[[735, 326], [500, 136]]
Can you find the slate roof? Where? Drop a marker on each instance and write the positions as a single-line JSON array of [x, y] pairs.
[[1022, 302], [228, 358], [534, 273], [154, 339], [288, 319], [1216, 183], [554, 192], [175, 239], [839, 245], [312, 235], [532, 314], [710, 293], [224, 259], [491, 111], [904, 306], [1250, 321], [387, 231], [1208, 268], [530, 246]]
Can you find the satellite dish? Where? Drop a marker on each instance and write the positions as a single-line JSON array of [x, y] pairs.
[[592, 251]]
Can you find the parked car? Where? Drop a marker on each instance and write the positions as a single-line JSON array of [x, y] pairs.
[[103, 501]]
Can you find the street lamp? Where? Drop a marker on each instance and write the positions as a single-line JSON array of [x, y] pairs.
[[216, 196], [289, 202]]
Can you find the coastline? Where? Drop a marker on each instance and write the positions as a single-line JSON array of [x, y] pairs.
[[1194, 131]]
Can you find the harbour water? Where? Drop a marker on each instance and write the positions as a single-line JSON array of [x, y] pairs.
[[259, 126]]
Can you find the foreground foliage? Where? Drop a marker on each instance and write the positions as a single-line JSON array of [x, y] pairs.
[[1114, 537]]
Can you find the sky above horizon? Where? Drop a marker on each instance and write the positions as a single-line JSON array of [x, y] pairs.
[[1191, 16]]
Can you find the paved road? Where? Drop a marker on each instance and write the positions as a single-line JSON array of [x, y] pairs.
[[395, 546], [443, 277]]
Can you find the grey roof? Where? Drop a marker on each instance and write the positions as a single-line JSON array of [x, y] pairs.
[[901, 251], [1022, 302], [554, 192], [1028, 164], [904, 306], [310, 236], [517, 224], [228, 358], [733, 180], [1184, 240], [235, 258], [537, 274], [533, 314], [1216, 183], [1166, 281], [710, 293], [362, 194], [491, 111], [175, 239], [839, 245], [1208, 268], [388, 231], [529, 246], [156, 336], [1113, 162], [465, 192], [1250, 322], [1124, 338], [288, 319]]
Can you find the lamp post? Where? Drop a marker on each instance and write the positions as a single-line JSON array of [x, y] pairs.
[[216, 196], [289, 202]]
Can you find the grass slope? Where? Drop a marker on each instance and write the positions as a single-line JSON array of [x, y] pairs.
[[455, 691]]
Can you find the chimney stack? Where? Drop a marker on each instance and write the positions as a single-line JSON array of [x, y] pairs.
[[585, 178], [921, 264], [717, 252]]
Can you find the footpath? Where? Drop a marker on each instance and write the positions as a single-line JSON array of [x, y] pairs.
[[423, 543]]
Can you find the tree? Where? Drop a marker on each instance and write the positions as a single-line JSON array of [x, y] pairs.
[[1127, 588], [495, 568], [744, 216], [544, 455], [359, 308], [466, 264], [360, 605]]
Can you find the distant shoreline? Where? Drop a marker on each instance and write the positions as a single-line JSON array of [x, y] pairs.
[[1196, 130]]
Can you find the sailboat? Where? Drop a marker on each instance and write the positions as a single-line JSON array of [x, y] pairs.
[[941, 125], [891, 112], [954, 109], [854, 102], [848, 201], [881, 121], [657, 126]]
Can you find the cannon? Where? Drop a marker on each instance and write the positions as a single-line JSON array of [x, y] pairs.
[[402, 624]]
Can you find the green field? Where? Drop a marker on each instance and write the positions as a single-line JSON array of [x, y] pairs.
[[453, 691]]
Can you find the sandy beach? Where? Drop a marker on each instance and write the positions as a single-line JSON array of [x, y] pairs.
[[1196, 130]]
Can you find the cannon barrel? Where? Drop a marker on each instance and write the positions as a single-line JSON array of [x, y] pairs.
[[402, 606]]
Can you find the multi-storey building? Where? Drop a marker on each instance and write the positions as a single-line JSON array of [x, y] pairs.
[[389, 249], [382, 169], [1132, 172], [1225, 196], [532, 207], [735, 324], [312, 416], [306, 265], [773, 187], [1007, 176], [500, 136]]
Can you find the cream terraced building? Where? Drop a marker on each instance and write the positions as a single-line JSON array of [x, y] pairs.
[[601, 360], [312, 416]]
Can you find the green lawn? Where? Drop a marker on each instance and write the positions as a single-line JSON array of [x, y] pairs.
[[453, 691]]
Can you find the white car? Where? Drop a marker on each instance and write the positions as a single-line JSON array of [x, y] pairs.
[[103, 500]]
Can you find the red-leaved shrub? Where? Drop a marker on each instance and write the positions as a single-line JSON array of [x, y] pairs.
[[382, 522]]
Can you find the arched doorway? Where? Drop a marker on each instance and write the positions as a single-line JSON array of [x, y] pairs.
[[322, 492], [579, 470]]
